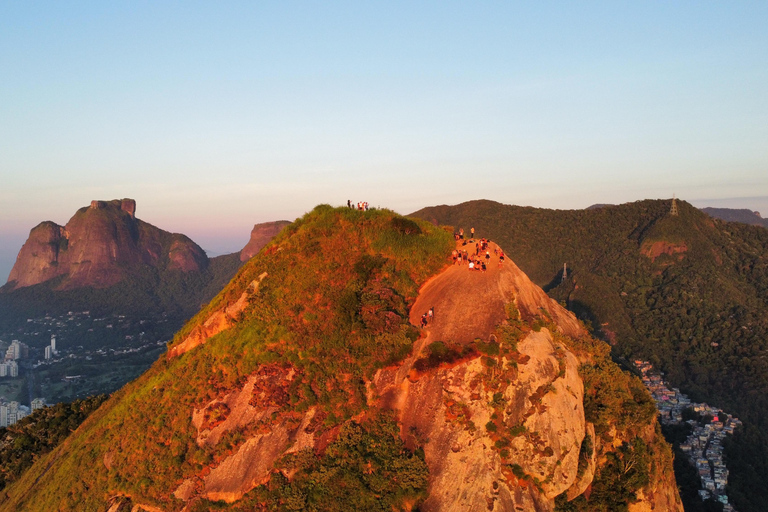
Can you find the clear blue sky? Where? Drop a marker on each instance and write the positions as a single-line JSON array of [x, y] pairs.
[[218, 115]]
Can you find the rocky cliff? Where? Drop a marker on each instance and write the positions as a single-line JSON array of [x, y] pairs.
[[308, 385], [260, 236], [99, 246]]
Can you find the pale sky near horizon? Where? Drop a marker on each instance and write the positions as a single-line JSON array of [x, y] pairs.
[[215, 116]]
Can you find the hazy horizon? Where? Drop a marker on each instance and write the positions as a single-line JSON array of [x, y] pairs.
[[230, 239], [217, 117]]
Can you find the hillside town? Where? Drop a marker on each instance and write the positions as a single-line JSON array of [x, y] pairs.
[[704, 446]]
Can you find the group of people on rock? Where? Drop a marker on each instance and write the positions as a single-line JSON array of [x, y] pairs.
[[459, 235], [481, 260], [427, 317], [361, 205]]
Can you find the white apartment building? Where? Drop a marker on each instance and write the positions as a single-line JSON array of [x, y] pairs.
[[9, 369], [11, 413]]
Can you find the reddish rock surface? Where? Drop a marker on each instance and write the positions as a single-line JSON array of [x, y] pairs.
[[261, 235], [655, 249], [99, 246]]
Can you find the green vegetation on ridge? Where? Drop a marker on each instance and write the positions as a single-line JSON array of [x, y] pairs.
[[37, 434], [333, 308], [688, 293]]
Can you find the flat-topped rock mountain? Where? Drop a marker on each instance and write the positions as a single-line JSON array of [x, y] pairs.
[[260, 236], [99, 246]]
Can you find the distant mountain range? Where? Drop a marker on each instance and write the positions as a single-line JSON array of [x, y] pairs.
[[101, 245], [687, 292], [742, 215], [733, 215]]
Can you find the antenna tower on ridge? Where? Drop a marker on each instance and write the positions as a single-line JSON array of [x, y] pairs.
[[673, 210]]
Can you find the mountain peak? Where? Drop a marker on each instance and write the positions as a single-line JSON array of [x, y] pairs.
[[99, 246], [126, 205]]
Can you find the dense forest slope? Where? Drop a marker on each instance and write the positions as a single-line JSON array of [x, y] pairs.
[[305, 385], [37, 434], [687, 292]]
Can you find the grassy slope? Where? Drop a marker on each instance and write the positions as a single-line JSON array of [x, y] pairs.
[[323, 272], [669, 310]]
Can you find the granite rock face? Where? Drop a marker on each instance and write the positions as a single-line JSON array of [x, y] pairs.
[[261, 236], [99, 246]]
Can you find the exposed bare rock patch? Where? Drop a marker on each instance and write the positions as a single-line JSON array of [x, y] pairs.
[[220, 320], [248, 467], [262, 394], [585, 479], [470, 304], [655, 249], [450, 408]]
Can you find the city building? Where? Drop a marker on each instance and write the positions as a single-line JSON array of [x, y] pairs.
[[704, 446], [16, 350], [12, 412], [9, 369], [38, 403]]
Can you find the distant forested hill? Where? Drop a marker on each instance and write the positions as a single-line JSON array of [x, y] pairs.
[[733, 215], [687, 292]]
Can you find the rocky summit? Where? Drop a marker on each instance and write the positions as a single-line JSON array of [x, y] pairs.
[[260, 236], [319, 380], [99, 246]]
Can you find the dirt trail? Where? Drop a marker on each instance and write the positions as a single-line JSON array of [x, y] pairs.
[[470, 304]]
